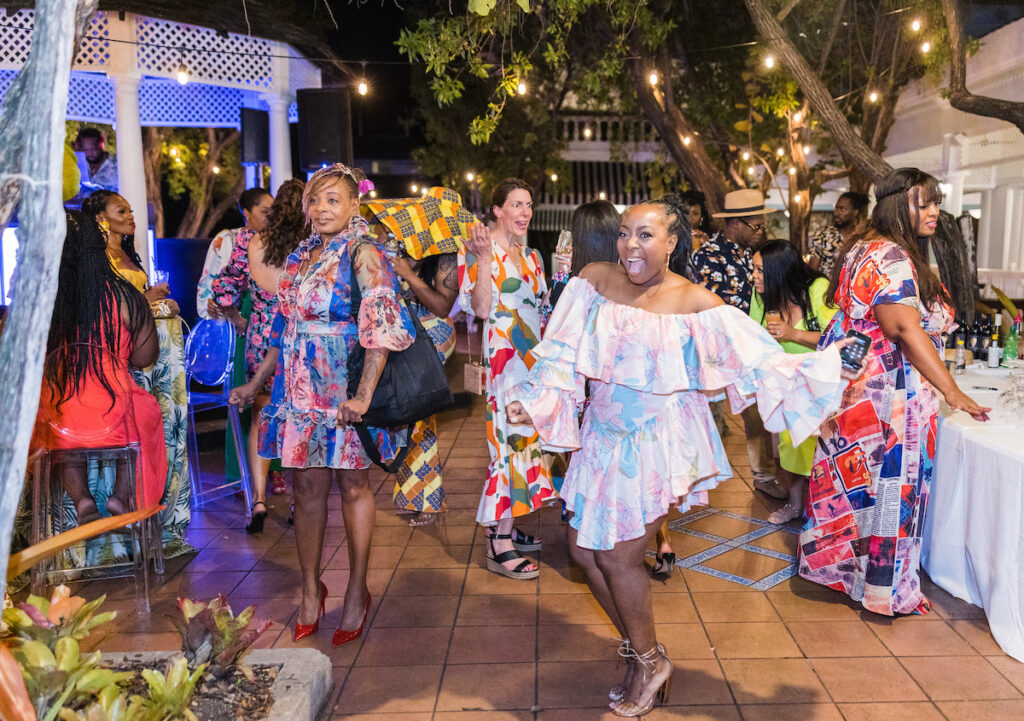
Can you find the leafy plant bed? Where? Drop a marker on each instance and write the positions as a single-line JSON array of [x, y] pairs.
[[215, 699], [298, 691]]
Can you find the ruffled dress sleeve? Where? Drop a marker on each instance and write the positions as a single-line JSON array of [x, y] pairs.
[[883, 275], [384, 321], [721, 348], [217, 256]]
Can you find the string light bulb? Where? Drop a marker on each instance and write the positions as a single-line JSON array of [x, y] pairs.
[[798, 116], [807, 150], [362, 88], [687, 140], [746, 155], [750, 170], [792, 171], [173, 152], [587, 132], [873, 97], [780, 152], [470, 176], [521, 88], [653, 77], [415, 188], [915, 26], [769, 61], [183, 74], [601, 195], [926, 47], [216, 170], [373, 193], [554, 177]]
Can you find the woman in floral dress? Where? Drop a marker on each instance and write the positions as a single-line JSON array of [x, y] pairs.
[[307, 423], [872, 469], [509, 297], [650, 342], [256, 263]]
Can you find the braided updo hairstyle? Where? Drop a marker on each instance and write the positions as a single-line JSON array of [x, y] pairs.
[[677, 212]]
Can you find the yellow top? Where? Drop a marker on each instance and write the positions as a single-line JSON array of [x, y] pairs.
[[133, 275]]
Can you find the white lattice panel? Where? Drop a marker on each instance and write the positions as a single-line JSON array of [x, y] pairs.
[[91, 98], [15, 37], [235, 60], [165, 102], [293, 110], [16, 40], [6, 78], [94, 51]]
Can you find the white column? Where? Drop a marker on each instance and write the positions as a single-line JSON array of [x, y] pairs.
[[131, 174], [280, 140]]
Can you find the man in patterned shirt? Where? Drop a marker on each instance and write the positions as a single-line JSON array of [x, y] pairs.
[[724, 265], [850, 212]]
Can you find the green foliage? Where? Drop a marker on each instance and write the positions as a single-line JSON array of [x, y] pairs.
[[212, 634], [183, 157], [168, 698], [63, 616]]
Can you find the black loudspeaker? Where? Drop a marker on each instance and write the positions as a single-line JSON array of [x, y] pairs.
[[255, 136], [325, 127]]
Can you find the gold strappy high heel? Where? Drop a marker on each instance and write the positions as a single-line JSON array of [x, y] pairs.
[[656, 683], [617, 692]]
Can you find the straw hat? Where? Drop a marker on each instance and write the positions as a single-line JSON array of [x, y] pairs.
[[429, 225], [742, 203]]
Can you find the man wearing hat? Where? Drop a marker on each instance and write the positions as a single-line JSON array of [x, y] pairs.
[[724, 264]]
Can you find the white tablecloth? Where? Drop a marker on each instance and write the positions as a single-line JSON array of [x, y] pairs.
[[973, 544]]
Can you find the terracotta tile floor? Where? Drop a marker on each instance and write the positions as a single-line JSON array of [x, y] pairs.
[[449, 640]]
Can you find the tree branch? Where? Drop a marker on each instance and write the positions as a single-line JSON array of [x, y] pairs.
[[787, 9], [854, 150], [961, 98]]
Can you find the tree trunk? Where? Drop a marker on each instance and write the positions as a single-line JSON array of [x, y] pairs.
[[199, 203], [854, 150], [959, 96], [206, 231], [692, 157], [152, 140], [32, 156]]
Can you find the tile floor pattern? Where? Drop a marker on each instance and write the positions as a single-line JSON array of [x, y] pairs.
[[449, 640]]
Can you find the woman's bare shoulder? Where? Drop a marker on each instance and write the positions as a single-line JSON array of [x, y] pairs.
[[693, 298], [597, 273]]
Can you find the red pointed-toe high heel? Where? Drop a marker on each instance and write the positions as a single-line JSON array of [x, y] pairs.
[[308, 629], [342, 636]]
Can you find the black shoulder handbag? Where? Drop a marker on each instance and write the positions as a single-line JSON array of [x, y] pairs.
[[412, 386]]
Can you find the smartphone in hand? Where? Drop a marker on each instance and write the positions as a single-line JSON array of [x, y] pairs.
[[853, 355]]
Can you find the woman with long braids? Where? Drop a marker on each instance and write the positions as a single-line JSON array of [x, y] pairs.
[[117, 222], [650, 342], [256, 263], [100, 327], [872, 469], [308, 421]]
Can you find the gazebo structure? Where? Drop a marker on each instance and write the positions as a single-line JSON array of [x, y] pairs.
[[126, 73]]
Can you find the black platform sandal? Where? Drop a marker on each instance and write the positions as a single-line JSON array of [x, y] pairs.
[[663, 566], [495, 561], [524, 541], [255, 525]]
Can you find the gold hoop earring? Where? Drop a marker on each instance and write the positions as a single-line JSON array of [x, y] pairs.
[[620, 263], [104, 228]]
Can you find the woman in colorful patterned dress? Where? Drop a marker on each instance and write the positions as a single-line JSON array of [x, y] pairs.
[[509, 299], [307, 423], [650, 341], [429, 287], [256, 263], [872, 471]]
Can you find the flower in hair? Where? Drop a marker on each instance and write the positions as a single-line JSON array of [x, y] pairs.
[[365, 186]]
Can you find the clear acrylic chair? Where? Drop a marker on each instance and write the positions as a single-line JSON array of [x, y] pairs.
[[80, 452], [209, 361]]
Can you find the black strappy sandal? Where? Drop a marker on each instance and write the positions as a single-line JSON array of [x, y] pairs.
[[495, 561], [524, 541], [256, 524], [663, 566]]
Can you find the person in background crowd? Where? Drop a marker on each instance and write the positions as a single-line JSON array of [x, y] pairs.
[[700, 221], [724, 265], [595, 230], [253, 205], [256, 262], [100, 166], [308, 422], [100, 327], [790, 301], [850, 213], [872, 469], [508, 293], [650, 342]]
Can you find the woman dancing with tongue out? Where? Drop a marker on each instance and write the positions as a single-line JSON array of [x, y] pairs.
[[651, 342]]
